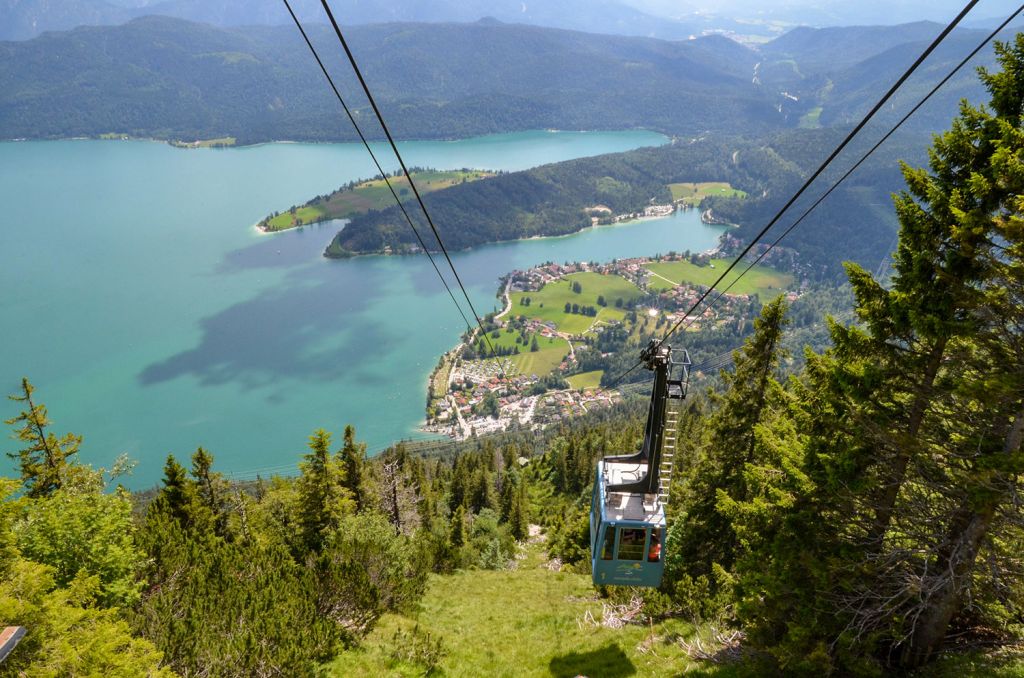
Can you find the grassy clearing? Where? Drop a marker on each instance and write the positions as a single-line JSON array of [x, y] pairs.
[[544, 361], [369, 195], [523, 622], [811, 119], [761, 280], [586, 380], [548, 304], [222, 142], [693, 193], [552, 350]]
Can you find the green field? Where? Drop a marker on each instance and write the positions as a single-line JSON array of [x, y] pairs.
[[761, 280], [524, 622], [586, 380], [552, 350], [542, 362], [693, 193], [368, 195], [549, 303], [811, 119], [222, 142]]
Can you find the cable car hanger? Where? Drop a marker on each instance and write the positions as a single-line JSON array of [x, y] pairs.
[[627, 509]]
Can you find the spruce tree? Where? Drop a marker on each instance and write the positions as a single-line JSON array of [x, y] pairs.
[[212, 489], [701, 537], [44, 460], [519, 517], [896, 467], [179, 500], [323, 499], [457, 532], [353, 458]]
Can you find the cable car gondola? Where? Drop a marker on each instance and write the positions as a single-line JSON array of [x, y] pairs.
[[627, 508]]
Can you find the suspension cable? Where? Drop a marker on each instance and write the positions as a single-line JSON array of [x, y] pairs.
[[405, 170], [369, 150], [849, 137], [868, 154]]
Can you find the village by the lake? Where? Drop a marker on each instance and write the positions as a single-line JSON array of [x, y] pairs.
[[529, 371]]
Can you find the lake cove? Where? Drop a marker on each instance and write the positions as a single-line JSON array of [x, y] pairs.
[[153, 318]]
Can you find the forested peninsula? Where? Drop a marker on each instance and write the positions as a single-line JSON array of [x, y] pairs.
[[558, 199]]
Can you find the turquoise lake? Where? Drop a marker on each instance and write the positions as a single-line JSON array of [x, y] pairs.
[[153, 318]]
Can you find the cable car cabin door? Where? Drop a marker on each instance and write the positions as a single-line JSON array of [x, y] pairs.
[[624, 552], [628, 554]]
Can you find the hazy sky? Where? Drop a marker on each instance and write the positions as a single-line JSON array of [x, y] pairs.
[[831, 12]]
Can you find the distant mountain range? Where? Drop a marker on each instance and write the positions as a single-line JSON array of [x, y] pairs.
[[24, 19], [169, 78]]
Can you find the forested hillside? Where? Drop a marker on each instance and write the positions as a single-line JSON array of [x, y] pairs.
[[839, 73], [24, 19], [855, 224], [167, 78], [172, 79]]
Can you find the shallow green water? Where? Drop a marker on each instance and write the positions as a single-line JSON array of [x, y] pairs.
[[152, 317]]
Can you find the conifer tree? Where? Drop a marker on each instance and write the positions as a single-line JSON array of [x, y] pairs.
[[179, 500], [353, 456], [44, 461], [457, 532], [212, 490], [459, 490], [701, 536], [519, 518], [323, 498], [899, 459], [482, 496]]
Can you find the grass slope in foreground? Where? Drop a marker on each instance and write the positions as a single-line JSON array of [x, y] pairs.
[[763, 281], [548, 304], [523, 622], [364, 196]]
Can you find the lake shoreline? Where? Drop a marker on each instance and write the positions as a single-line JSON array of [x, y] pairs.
[[237, 342], [187, 144]]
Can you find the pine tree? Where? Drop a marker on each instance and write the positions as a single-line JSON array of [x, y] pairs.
[[897, 466], [457, 532], [701, 535], [44, 462], [519, 518], [482, 495], [180, 501], [353, 456], [212, 490], [323, 498]]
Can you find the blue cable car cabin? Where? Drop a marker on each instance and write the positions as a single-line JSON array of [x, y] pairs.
[[627, 507]]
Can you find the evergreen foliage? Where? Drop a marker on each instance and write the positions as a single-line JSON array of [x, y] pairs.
[[701, 546], [887, 490], [323, 498], [44, 460]]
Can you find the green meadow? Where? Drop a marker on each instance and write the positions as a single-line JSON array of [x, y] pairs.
[[551, 351], [548, 304], [369, 195], [761, 280], [586, 380], [529, 621], [693, 193]]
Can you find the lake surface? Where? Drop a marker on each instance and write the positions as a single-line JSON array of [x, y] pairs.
[[153, 318]]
